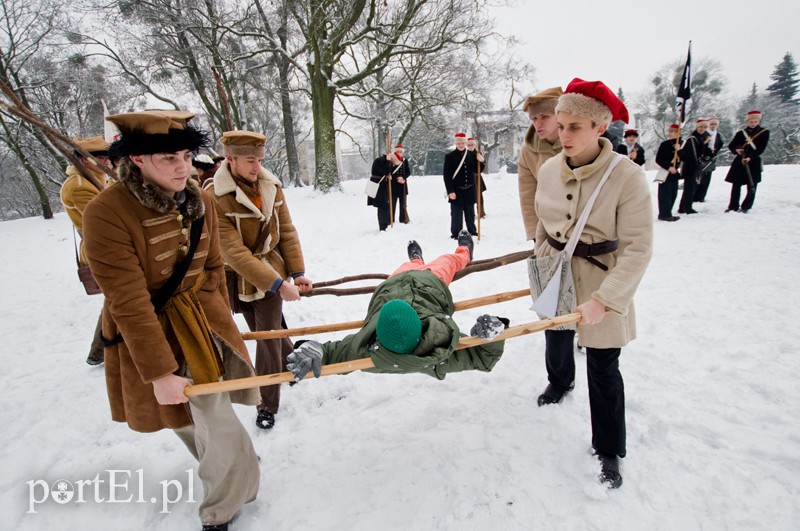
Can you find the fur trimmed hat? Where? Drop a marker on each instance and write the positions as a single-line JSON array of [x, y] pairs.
[[544, 102], [713, 121], [701, 121], [461, 135], [398, 328], [593, 100], [155, 131], [674, 127], [754, 114], [630, 132], [243, 144]]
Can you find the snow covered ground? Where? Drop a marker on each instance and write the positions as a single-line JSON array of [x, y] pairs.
[[713, 403]]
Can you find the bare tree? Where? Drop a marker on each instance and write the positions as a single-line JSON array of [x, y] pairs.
[[349, 42]]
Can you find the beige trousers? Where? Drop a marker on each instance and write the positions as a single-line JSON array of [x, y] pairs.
[[228, 465]]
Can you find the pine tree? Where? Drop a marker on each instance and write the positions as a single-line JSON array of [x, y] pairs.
[[785, 80]]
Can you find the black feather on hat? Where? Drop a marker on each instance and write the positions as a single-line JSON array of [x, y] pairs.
[[149, 132]]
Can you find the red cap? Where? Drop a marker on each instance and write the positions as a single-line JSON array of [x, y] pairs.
[[631, 132], [461, 135], [597, 90], [674, 126], [471, 138], [399, 146], [753, 113], [701, 121]]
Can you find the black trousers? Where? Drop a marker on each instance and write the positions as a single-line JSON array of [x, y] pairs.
[[462, 210], [667, 194], [606, 388], [702, 187], [736, 193], [689, 185], [385, 217]]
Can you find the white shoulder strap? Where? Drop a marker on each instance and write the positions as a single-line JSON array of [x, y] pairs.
[[576, 232]]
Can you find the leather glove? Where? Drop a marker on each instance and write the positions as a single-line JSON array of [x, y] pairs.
[[306, 357], [489, 326]]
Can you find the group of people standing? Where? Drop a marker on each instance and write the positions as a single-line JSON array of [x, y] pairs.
[[463, 183], [694, 160]]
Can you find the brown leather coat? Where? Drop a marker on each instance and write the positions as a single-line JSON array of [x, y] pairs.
[[134, 236]]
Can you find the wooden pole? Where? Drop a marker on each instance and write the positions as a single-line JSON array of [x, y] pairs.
[[366, 363], [478, 185], [352, 325], [389, 177]]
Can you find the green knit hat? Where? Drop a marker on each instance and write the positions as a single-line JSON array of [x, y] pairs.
[[399, 328]]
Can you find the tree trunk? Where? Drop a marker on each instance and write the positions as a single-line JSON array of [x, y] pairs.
[[322, 96], [44, 201]]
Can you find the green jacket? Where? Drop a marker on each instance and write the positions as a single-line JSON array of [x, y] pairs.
[[435, 354]]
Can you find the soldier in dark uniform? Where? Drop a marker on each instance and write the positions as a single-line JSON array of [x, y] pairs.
[[666, 158], [693, 152], [631, 148], [385, 169], [709, 165], [472, 146], [460, 168], [400, 185], [748, 145]]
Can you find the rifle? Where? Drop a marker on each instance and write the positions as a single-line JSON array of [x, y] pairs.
[[750, 184], [389, 177]]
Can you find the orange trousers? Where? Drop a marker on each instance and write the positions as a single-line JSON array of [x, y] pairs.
[[445, 267]]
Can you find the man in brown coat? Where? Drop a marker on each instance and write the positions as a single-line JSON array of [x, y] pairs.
[[541, 143], [262, 251], [76, 192], [153, 246]]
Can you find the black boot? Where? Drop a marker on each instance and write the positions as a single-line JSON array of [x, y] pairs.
[[414, 251], [96, 357], [265, 419], [215, 527], [464, 239], [609, 470], [552, 395]]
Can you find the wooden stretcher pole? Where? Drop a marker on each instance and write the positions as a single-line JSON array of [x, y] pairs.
[[366, 363], [352, 325]]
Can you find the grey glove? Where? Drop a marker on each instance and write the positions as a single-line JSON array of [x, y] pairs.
[[306, 357], [489, 326]]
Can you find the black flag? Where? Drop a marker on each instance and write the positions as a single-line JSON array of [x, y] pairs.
[[683, 99]]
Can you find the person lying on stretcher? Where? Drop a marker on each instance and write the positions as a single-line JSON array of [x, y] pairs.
[[409, 325]]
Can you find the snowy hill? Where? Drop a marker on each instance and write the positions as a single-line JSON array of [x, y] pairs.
[[713, 403]]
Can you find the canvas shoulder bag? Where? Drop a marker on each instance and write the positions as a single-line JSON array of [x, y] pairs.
[[550, 277]]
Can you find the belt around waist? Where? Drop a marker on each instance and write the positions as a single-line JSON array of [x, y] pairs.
[[588, 250]]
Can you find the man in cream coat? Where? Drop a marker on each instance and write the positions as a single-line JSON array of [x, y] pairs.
[[608, 264]]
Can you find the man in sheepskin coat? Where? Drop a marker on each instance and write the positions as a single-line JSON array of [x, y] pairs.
[[262, 253]]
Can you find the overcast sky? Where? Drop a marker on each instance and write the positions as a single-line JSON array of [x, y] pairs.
[[623, 43]]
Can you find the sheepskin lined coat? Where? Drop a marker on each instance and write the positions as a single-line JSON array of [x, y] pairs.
[[135, 235], [241, 223], [535, 152], [623, 211], [76, 192]]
